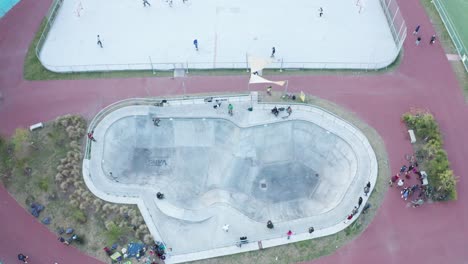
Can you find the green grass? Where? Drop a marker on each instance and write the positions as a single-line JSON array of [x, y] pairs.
[[457, 11], [33, 69], [446, 41], [51, 144]]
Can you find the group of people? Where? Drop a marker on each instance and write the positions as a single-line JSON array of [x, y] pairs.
[[276, 110], [360, 201], [418, 38], [407, 191]]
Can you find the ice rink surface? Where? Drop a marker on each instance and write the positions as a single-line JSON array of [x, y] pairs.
[[227, 31]]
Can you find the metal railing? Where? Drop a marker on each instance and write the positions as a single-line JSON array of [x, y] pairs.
[[49, 20], [395, 21], [452, 31]]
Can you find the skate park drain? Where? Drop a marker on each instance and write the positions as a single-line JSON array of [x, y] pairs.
[[263, 185]]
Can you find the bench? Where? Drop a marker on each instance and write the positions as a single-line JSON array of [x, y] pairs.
[[36, 126], [412, 136], [424, 180]]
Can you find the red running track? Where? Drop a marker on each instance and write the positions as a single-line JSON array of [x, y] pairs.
[[434, 233]]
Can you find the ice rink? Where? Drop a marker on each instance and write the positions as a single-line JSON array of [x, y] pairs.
[[134, 36]]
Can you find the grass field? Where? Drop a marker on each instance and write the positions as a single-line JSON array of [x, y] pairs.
[[457, 11], [453, 14], [448, 45]]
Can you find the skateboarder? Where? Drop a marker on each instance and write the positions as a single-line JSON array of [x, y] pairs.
[[273, 51], [195, 43], [99, 42], [91, 137]]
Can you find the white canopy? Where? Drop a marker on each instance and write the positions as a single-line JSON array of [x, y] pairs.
[[258, 79], [258, 64]]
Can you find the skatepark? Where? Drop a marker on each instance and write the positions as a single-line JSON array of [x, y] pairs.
[[307, 168]]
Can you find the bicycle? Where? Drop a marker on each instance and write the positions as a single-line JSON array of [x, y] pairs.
[[410, 158]]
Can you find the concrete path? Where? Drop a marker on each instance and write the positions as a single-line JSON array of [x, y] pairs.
[[431, 234]]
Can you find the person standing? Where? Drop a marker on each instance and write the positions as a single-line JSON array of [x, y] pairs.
[[416, 30], [23, 258], [145, 2], [359, 202], [230, 109], [273, 51], [195, 43], [418, 40], [289, 234], [433, 38], [320, 12], [355, 210], [367, 188], [99, 42]]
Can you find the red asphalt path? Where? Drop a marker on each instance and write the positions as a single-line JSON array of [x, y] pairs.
[[434, 233]]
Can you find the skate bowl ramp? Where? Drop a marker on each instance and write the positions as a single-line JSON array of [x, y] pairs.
[[292, 165], [214, 169]]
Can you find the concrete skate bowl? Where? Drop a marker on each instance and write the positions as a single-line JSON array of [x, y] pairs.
[[282, 171]]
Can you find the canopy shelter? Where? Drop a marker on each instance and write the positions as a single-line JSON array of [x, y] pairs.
[[258, 64]]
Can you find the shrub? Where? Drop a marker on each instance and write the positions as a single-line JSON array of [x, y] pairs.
[[148, 239], [78, 215], [441, 178], [113, 232], [43, 184]]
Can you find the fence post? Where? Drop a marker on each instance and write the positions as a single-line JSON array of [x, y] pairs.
[[151, 63]]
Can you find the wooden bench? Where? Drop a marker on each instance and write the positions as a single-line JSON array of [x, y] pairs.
[[36, 126], [412, 136]]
